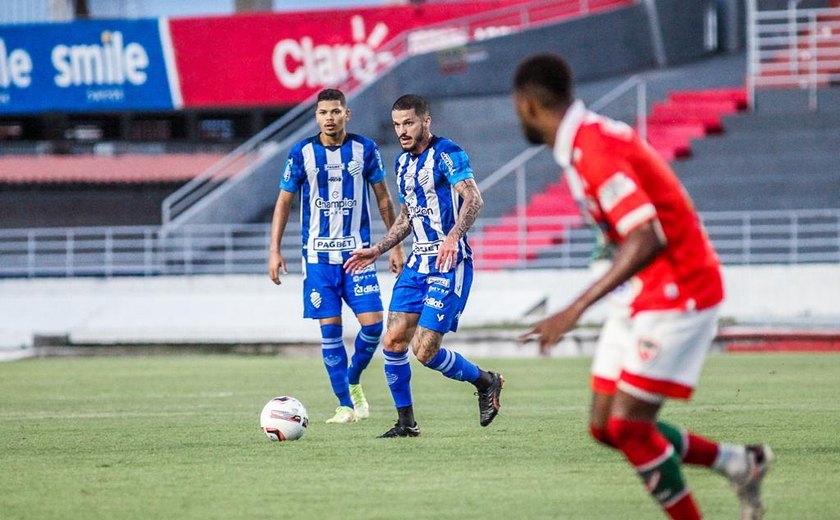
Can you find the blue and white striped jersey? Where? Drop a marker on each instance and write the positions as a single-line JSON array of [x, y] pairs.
[[333, 181], [426, 185]]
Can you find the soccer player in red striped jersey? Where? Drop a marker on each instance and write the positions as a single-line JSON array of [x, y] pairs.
[[654, 348]]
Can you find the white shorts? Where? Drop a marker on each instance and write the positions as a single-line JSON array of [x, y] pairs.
[[655, 354]]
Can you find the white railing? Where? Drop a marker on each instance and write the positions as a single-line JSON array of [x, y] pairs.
[[740, 238], [792, 48], [519, 164], [283, 132]]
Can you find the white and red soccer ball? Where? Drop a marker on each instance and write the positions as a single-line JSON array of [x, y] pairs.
[[284, 418]]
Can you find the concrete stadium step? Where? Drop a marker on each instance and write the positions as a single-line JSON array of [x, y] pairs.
[[749, 166], [756, 145], [780, 122], [736, 95]]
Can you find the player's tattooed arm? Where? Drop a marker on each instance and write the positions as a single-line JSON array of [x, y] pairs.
[[361, 258], [448, 251], [396, 233], [468, 190], [396, 261]]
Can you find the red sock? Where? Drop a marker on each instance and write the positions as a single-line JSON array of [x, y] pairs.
[[640, 442], [656, 463], [684, 509], [692, 448], [600, 435], [701, 451]]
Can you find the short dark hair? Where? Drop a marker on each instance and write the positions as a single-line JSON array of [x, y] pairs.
[[409, 101], [331, 94], [548, 77]]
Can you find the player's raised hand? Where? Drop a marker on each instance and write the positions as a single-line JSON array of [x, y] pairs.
[[549, 331], [447, 255], [361, 258], [276, 265], [396, 260]]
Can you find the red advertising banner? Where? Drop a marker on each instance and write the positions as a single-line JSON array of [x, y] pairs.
[[283, 58]]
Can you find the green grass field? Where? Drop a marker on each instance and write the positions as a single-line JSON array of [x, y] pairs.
[[178, 438]]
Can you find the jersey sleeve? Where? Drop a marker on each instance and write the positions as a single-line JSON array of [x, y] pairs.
[[455, 164], [620, 196], [293, 174], [374, 167]]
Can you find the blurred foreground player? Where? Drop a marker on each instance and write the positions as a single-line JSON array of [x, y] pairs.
[[656, 350], [439, 203], [333, 171]]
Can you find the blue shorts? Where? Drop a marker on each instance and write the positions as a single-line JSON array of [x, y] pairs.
[[439, 298], [324, 286]]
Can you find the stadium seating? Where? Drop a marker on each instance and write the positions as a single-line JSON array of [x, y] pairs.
[[684, 115], [780, 157], [692, 114], [92, 169]]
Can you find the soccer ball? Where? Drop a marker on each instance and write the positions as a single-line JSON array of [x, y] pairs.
[[284, 419]]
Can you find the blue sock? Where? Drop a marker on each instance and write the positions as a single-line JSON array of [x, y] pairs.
[[335, 361], [366, 342], [454, 366], [398, 375]]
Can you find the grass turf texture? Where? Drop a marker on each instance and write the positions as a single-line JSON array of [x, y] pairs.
[[178, 437]]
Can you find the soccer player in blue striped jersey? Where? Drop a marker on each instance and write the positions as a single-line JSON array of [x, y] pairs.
[[439, 202], [331, 172]]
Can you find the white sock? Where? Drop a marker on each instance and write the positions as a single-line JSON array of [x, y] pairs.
[[731, 460]]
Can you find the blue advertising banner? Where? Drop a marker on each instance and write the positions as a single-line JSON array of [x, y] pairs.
[[85, 66]]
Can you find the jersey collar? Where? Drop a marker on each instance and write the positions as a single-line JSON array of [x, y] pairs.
[[566, 132]]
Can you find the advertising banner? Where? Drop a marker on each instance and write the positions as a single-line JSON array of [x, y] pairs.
[[85, 66], [283, 58]]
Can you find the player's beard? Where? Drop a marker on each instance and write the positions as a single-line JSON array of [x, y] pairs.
[[532, 134], [414, 145]]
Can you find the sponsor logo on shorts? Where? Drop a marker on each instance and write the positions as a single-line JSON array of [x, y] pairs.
[[426, 248], [315, 299], [440, 317], [438, 280], [434, 303], [361, 290], [364, 274], [648, 349], [334, 244]]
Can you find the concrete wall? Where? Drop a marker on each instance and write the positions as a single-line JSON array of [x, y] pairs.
[[250, 309]]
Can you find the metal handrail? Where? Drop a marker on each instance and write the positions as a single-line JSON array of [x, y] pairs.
[[740, 238], [790, 47], [398, 48], [601, 103]]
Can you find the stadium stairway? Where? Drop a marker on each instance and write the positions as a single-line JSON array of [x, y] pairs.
[[779, 157], [690, 114], [672, 125]]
